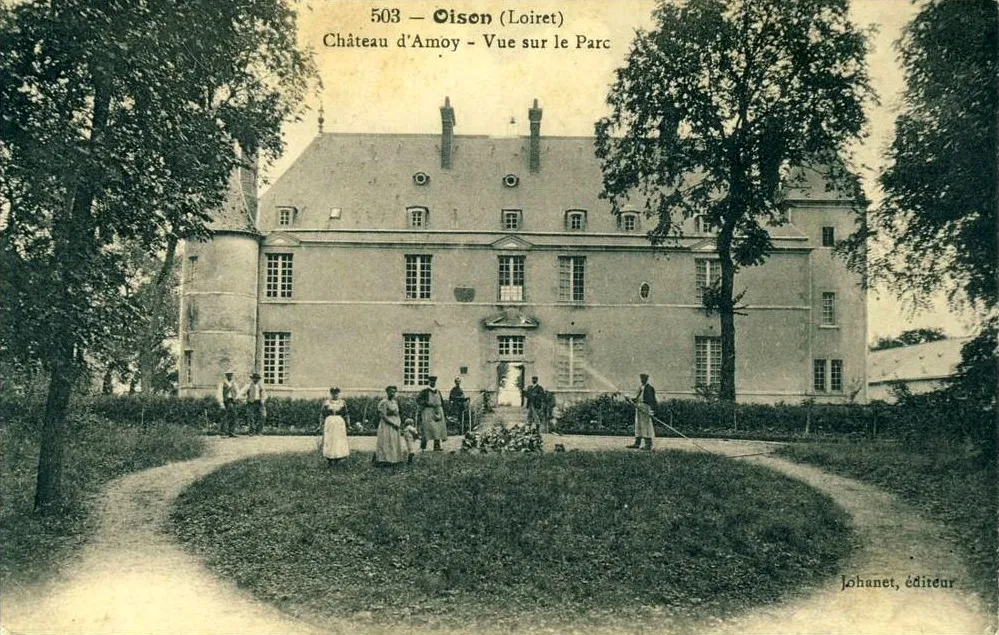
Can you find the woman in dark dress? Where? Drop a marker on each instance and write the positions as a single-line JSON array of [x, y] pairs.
[[389, 444]]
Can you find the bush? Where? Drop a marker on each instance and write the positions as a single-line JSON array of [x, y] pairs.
[[515, 438], [284, 415], [611, 416], [925, 419]]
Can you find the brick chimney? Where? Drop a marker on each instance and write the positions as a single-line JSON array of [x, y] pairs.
[[447, 133], [534, 114]]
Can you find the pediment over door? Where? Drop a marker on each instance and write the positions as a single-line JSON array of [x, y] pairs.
[[512, 243], [281, 239], [511, 319]]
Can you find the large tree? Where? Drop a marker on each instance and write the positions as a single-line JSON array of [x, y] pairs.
[[937, 223], [119, 123], [713, 110], [937, 226]]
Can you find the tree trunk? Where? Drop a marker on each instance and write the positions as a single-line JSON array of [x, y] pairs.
[[74, 246], [62, 377], [150, 342], [726, 315]]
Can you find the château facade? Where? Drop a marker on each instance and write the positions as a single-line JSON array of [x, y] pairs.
[[381, 259]]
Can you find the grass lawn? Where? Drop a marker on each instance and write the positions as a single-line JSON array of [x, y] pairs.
[[942, 482], [521, 541], [96, 451]]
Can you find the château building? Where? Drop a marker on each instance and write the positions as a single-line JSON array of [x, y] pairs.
[[380, 259]]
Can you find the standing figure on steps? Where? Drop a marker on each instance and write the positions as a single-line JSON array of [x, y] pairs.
[[645, 405], [537, 405], [335, 421], [430, 402]]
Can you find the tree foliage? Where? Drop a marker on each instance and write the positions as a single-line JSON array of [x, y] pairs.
[[938, 218], [909, 338], [119, 124], [715, 108]]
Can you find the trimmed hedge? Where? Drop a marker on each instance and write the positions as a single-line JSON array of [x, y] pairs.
[[920, 419], [284, 416]]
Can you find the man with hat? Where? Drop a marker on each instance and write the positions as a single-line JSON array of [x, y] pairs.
[[430, 403], [458, 404], [537, 405], [645, 405], [226, 396], [256, 404]]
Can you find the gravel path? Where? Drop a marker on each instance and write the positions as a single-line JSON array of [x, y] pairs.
[[133, 578]]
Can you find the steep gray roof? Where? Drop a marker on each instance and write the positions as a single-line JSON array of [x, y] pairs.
[[370, 179], [239, 208], [932, 360]]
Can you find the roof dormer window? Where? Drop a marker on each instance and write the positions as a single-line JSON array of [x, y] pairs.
[[286, 216], [702, 225], [628, 221], [575, 220], [511, 219], [418, 217]]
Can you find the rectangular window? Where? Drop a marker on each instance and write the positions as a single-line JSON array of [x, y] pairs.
[[188, 367], [417, 277], [416, 359], [570, 361], [277, 354], [285, 215], [828, 308], [571, 278], [279, 276], [708, 275], [192, 268], [511, 345], [511, 219], [819, 375], [828, 237], [629, 222], [511, 278], [702, 226], [836, 375], [707, 361]]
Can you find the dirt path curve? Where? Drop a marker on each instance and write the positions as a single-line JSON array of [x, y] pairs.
[[133, 578]]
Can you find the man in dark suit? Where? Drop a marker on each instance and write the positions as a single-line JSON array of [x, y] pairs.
[[645, 406]]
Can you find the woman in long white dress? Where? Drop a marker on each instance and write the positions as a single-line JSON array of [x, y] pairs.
[[335, 420]]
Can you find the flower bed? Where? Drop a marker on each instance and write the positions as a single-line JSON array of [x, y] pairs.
[[515, 438]]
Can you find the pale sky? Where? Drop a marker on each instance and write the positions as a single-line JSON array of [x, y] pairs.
[[400, 90]]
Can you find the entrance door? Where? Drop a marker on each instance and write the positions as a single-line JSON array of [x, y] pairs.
[[510, 384]]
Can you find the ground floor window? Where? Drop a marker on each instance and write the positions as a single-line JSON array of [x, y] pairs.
[[277, 355], [570, 361], [836, 375], [416, 359], [707, 361], [827, 370]]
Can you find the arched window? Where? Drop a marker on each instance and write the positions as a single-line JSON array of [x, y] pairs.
[[418, 217], [575, 220]]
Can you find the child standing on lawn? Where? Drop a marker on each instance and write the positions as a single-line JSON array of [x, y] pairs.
[[410, 434]]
